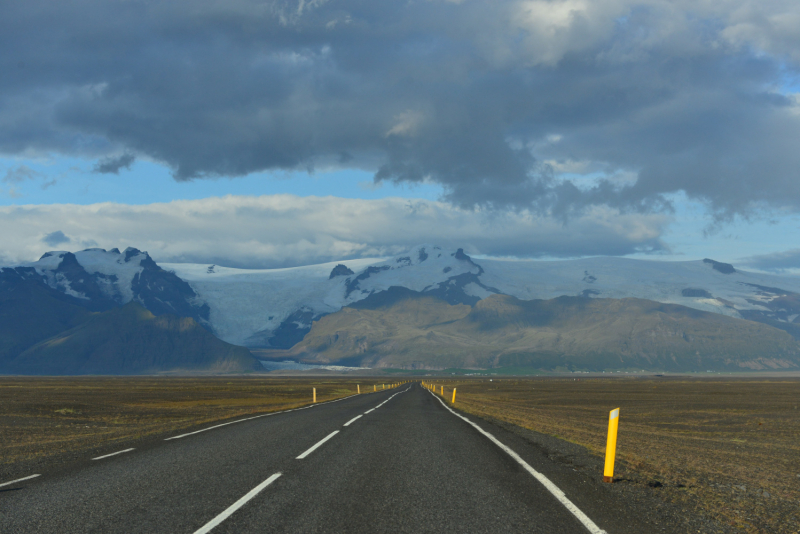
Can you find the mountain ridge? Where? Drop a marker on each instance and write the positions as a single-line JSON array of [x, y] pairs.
[[275, 308]]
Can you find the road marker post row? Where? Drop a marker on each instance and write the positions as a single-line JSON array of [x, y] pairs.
[[611, 445]]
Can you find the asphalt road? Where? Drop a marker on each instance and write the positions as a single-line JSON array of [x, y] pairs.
[[409, 465]]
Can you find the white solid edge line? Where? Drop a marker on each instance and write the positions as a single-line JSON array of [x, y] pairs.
[[371, 410], [225, 424], [319, 444], [114, 454], [353, 420], [552, 488], [18, 480], [238, 504], [337, 400], [254, 417]]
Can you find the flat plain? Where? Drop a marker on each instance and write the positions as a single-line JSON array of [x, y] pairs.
[[728, 449], [46, 418]]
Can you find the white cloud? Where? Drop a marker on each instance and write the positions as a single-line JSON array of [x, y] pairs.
[[285, 230]]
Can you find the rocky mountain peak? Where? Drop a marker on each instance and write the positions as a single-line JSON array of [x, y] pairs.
[[340, 270], [724, 268]]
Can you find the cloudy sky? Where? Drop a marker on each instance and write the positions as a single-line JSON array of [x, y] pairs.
[[254, 133]]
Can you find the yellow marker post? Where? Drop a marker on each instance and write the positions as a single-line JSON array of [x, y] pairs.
[[454, 395], [374, 387], [611, 445], [358, 388], [315, 394], [442, 391]]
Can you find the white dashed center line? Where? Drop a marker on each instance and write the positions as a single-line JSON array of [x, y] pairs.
[[319, 444], [238, 504], [18, 480], [113, 454], [353, 420]]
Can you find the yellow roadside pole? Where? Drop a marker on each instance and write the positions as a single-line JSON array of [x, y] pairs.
[[454, 395], [374, 387], [358, 388], [611, 445], [442, 391], [315, 394]]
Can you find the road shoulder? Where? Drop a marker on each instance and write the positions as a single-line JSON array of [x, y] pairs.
[[626, 504]]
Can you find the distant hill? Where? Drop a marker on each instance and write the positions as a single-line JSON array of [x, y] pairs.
[[131, 340], [405, 329]]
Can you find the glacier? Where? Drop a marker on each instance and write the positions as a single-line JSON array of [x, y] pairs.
[[263, 308]]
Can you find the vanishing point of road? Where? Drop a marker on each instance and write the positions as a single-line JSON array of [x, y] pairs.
[[393, 461]]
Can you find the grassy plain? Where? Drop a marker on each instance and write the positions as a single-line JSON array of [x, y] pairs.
[[726, 448], [47, 417]]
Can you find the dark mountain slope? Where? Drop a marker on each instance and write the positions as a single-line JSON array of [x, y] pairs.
[[30, 312], [131, 340], [565, 332]]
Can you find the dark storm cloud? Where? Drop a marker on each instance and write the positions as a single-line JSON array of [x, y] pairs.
[[776, 262], [55, 238], [493, 100], [112, 165]]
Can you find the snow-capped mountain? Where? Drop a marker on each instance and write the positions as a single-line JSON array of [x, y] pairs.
[[276, 307], [100, 280]]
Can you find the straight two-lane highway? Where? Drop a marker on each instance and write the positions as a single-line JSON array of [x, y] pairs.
[[393, 461]]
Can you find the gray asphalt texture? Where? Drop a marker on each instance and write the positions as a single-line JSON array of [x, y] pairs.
[[409, 466]]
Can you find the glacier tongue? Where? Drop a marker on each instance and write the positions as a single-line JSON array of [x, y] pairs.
[[276, 307]]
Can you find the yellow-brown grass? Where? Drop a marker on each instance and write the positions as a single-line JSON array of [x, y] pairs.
[[41, 417], [729, 449]]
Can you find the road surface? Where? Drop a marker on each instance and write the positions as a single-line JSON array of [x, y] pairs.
[[392, 461]]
